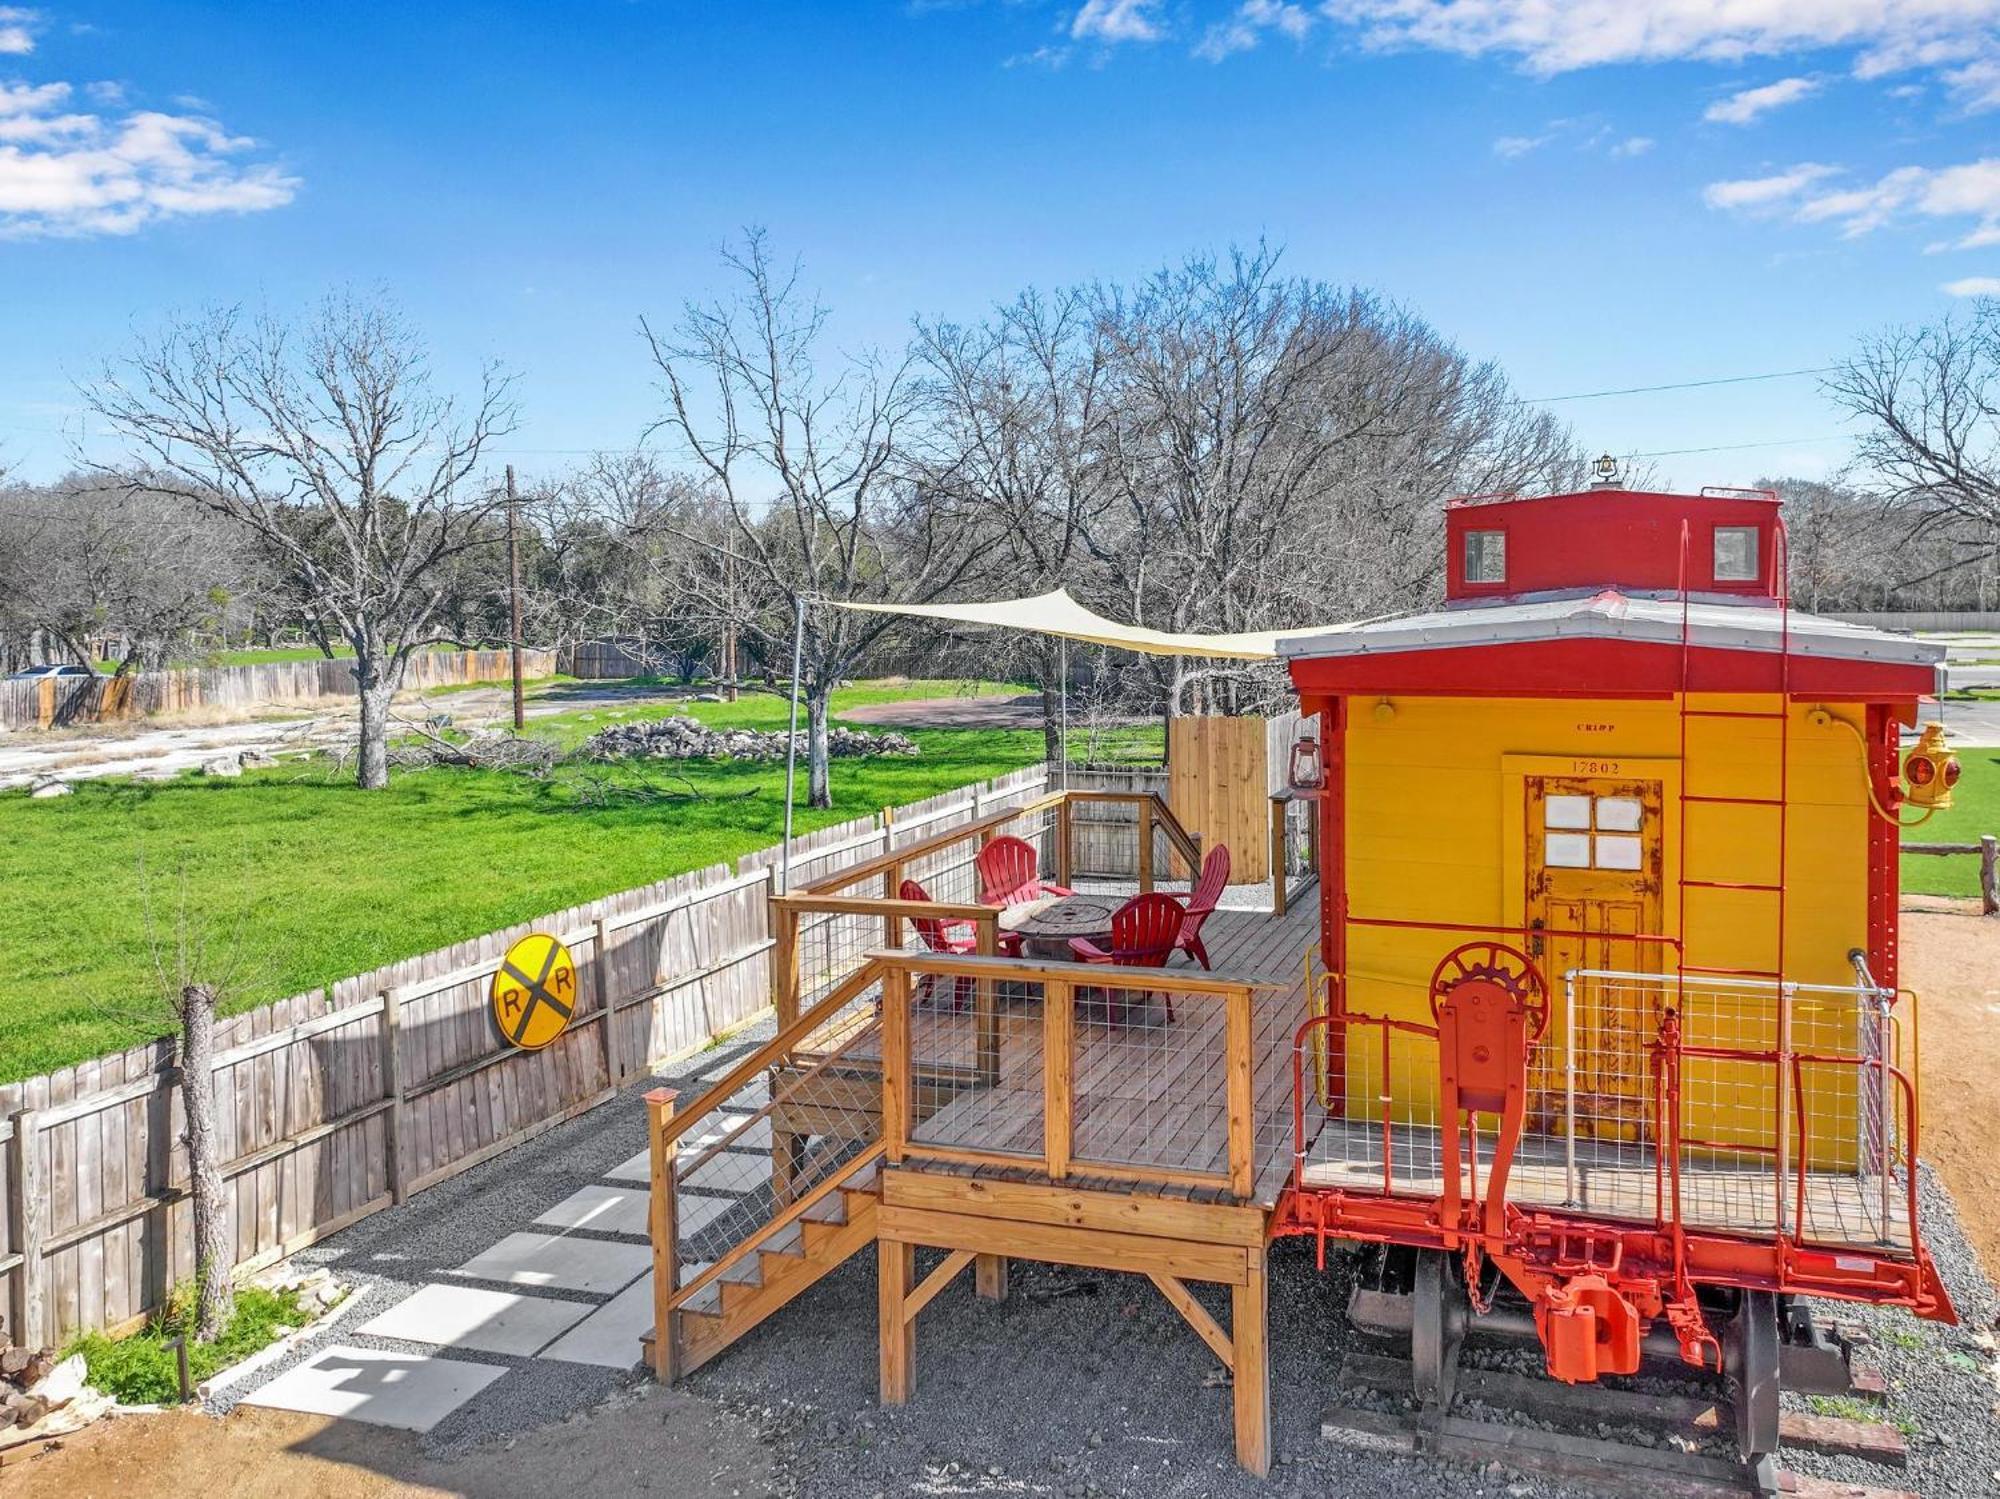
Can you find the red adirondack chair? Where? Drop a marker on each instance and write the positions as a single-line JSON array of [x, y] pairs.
[[1144, 933], [939, 935], [1008, 874], [1201, 902]]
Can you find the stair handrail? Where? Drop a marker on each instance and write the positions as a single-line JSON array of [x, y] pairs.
[[780, 1045]]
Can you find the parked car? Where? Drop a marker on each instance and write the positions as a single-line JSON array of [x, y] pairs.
[[37, 673]]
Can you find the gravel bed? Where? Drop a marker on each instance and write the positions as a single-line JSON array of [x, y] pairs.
[[1081, 1383], [398, 1251]]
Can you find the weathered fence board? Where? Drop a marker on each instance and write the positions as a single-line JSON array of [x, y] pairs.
[[336, 1104], [60, 701]]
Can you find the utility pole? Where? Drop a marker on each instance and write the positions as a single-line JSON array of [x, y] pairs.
[[514, 597], [729, 628]]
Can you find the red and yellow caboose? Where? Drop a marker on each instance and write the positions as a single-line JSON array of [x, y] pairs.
[[1610, 1020]]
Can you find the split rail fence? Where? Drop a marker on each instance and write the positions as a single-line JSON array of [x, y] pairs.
[[339, 1103], [56, 702]]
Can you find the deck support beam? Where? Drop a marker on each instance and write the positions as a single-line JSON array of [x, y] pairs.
[[1250, 1370], [989, 1272], [1196, 1316], [896, 1270]]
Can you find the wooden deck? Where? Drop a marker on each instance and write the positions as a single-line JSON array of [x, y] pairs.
[[1149, 1092]]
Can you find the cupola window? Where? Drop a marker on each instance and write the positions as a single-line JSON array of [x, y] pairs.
[[1485, 556], [1735, 554]]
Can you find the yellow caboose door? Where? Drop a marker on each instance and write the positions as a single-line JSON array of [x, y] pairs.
[[1595, 853]]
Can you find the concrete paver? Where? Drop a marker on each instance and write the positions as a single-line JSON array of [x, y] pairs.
[[410, 1391], [611, 1210], [470, 1317], [610, 1335], [561, 1263]]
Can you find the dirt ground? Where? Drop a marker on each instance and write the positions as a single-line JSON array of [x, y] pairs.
[[1951, 958], [654, 1441]]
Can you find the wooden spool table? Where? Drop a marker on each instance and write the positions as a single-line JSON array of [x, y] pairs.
[[1045, 926]]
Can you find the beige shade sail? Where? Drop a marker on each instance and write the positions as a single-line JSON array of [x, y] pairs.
[[1056, 613]]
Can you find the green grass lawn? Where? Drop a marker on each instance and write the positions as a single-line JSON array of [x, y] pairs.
[[1975, 810], [316, 880]]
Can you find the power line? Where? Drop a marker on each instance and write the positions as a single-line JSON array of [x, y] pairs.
[[1737, 447], [1646, 390]]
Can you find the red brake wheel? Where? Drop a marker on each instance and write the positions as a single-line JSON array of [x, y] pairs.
[[1496, 963]]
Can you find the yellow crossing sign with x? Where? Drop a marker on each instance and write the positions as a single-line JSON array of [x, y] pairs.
[[534, 993]]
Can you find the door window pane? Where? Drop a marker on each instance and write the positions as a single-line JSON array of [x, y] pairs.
[[1485, 556], [1735, 554], [1566, 812], [1617, 851], [1567, 851], [1618, 814]]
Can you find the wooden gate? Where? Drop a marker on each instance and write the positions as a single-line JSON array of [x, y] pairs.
[[1219, 786]]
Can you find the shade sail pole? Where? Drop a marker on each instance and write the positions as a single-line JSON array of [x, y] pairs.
[[792, 741], [1062, 732]]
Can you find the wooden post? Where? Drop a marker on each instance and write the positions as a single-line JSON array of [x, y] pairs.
[[392, 1091], [1251, 1368], [29, 1209], [663, 1221], [1058, 1075], [986, 1007], [1065, 857], [784, 963], [1278, 891], [1989, 875], [895, 1064], [989, 1276], [1242, 1118], [614, 1068], [892, 889], [1145, 844], [896, 1271]]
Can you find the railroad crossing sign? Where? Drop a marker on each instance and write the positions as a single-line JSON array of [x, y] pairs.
[[534, 993]]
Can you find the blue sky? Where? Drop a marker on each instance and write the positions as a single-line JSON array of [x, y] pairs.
[[1602, 194]]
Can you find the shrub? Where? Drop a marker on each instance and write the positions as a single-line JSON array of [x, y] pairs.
[[142, 1369]]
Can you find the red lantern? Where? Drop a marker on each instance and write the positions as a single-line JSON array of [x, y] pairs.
[[1308, 764]]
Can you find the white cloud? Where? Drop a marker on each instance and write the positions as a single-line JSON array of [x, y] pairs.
[[17, 30], [1765, 192], [1246, 28], [1973, 286], [72, 173], [1887, 36], [1970, 190], [1634, 145], [1747, 104], [1116, 21], [1511, 146]]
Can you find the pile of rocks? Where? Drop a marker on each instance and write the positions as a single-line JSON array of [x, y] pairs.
[[683, 738], [33, 1382]]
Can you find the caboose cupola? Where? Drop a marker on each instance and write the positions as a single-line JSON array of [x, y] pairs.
[[1507, 546]]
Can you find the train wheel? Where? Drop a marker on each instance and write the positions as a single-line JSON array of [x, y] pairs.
[[1751, 1356], [1439, 1311]]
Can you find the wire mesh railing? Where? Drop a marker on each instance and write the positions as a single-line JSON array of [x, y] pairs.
[[1742, 1105], [1136, 1074]]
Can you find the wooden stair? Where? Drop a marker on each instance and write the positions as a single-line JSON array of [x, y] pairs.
[[761, 1280]]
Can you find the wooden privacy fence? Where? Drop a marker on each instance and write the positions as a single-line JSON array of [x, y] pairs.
[[339, 1103], [1988, 850], [58, 701]]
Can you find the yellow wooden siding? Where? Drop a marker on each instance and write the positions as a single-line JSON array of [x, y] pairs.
[[1433, 833]]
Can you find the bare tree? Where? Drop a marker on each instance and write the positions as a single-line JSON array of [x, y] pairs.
[[191, 982], [329, 444], [1015, 409], [100, 567], [804, 469], [1930, 397]]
